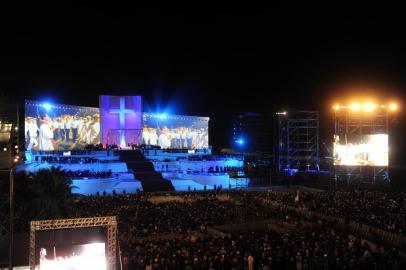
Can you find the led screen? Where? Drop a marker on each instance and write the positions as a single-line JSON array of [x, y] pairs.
[[175, 131], [77, 257], [363, 150], [51, 127]]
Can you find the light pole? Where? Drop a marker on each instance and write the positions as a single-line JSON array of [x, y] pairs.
[[11, 198]]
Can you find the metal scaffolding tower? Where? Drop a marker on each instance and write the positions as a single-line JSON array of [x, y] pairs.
[[298, 144], [350, 124]]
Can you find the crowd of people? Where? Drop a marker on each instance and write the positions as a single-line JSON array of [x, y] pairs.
[[68, 159], [89, 174], [77, 152], [141, 217], [48, 133], [176, 138], [187, 216], [382, 210], [263, 250]]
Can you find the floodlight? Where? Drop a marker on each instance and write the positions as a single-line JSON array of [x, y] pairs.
[[240, 141], [355, 107], [369, 106], [47, 106], [393, 106]]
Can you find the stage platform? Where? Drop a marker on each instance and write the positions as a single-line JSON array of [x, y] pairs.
[[92, 186], [180, 181], [183, 169], [114, 167]]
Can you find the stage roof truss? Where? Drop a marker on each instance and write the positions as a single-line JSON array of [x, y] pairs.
[[109, 222]]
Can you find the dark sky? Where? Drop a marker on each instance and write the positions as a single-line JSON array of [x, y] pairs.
[[203, 61]]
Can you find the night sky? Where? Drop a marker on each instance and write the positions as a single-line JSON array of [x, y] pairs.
[[204, 61]]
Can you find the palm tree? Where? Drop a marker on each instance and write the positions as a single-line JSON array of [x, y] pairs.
[[52, 193], [42, 195]]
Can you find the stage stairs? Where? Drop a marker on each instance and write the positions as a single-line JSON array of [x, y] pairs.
[[144, 171]]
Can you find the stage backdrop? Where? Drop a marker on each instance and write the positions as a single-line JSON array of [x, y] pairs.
[[175, 131], [120, 120], [60, 127]]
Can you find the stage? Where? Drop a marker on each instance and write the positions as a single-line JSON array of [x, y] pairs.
[[180, 181]]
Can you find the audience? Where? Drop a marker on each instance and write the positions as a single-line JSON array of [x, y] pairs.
[[89, 174], [183, 220]]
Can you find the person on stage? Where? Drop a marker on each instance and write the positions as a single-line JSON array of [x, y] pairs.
[[183, 141], [189, 138], [194, 136], [32, 133], [46, 134], [74, 127], [81, 129], [178, 138], [145, 135], [153, 137], [87, 131], [164, 140], [62, 127], [68, 123], [94, 130], [55, 125]]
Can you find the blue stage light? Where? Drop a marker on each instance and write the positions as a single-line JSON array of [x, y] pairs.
[[47, 106], [240, 141]]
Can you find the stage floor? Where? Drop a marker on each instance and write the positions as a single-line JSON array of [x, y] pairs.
[[92, 186], [181, 182]]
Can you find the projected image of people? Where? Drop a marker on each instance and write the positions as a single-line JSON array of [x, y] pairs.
[[364, 150], [175, 131], [76, 257], [60, 127]]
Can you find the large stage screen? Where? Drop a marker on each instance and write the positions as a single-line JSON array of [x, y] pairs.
[[362, 150], [60, 127], [175, 131], [76, 257]]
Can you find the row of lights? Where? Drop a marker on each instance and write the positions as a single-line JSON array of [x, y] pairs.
[[164, 116], [282, 113], [49, 106], [366, 107]]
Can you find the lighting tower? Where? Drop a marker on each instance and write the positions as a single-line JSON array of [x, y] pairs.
[[356, 125]]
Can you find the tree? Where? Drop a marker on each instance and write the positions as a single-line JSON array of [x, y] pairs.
[[53, 192], [43, 195]]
